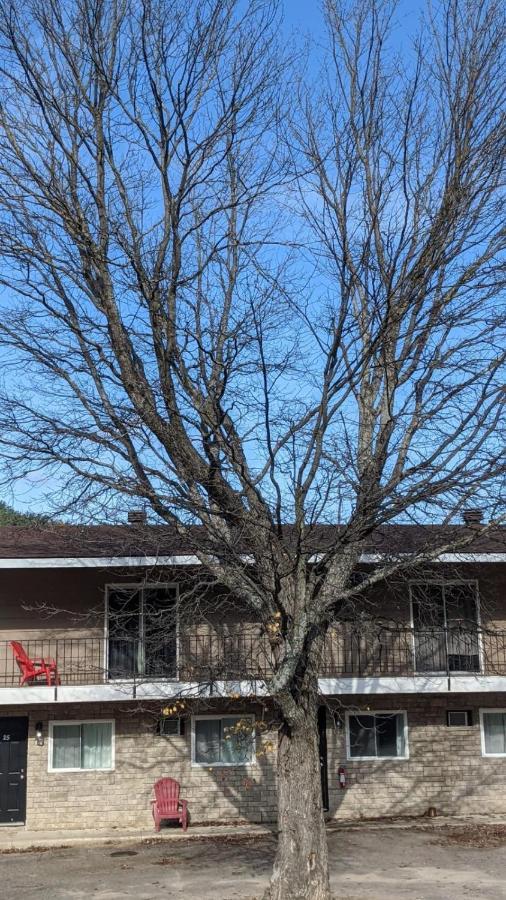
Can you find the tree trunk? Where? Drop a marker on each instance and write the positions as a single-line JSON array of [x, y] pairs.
[[301, 866]]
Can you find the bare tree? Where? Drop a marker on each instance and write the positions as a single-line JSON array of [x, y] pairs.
[[248, 312]]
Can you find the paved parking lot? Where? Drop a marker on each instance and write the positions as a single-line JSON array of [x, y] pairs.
[[367, 864]]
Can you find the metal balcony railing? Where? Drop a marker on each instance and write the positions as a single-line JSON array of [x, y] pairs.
[[371, 650]]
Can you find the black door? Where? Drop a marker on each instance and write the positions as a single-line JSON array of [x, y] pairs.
[[322, 744], [13, 745]]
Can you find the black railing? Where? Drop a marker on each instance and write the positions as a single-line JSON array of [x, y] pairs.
[[370, 650], [373, 650]]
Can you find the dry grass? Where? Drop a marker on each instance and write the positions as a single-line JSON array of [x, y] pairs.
[[477, 837]]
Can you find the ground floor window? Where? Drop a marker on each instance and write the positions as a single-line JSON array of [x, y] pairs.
[[223, 741], [76, 746], [493, 732], [378, 735]]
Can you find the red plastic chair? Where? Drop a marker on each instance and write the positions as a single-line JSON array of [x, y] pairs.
[[166, 803], [34, 669]]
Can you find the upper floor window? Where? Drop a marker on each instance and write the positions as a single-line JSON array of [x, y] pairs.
[[142, 630], [445, 624]]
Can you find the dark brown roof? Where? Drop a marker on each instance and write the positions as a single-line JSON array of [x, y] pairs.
[[105, 541]]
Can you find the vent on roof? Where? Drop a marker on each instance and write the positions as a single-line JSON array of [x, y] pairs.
[[137, 517], [473, 516]]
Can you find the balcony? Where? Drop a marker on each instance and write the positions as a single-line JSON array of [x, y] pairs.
[[98, 661], [369, 652]]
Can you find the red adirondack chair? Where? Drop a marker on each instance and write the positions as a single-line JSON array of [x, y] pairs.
[[166, 803], [32, 670]]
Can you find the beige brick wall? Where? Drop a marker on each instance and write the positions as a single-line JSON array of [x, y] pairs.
[[445, 769], [121, 798]]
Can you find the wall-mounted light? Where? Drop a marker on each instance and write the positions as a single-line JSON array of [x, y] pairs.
[[39, 734], [338, 720]]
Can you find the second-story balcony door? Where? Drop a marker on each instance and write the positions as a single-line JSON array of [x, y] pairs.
[[445, 626], [142, 631]]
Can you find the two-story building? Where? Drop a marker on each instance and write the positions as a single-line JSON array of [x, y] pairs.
[[107, 685]]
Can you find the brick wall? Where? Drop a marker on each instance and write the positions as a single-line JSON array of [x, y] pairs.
[[121, 798], [445, 769]]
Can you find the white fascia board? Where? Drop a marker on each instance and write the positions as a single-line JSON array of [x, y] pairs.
[[111, 562], [116, 692], [26, 696], [414, 684], [98, 562], [249, 689], [443, 558]]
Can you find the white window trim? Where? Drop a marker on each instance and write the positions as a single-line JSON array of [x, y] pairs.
[[137, 586], [220, 765], [483, 711], [377, 712], [81, 722]]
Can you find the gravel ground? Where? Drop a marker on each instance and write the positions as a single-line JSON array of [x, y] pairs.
[[367, 864]]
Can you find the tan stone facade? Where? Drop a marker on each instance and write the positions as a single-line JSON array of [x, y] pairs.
[[445, 768], [120, 798]]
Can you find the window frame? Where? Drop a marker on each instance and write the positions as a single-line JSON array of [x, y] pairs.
[[140, 586], [376, 712], [483, 711], [218, 765], [443, 582], [74, 722]]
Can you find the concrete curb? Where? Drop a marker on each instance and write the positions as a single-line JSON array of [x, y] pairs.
[[25, 841]]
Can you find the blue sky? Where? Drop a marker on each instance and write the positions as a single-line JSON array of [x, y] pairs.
[[305, 16], [301, 18]]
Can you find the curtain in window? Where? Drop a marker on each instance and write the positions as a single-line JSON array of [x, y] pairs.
[[142, 629], [160, 631], [125, 633], [362, 736], [387, 735], [96, 745], [236, 740], [445, 619], [83, 746], [378, 735], [494, 725], [227, 741], [207, 740], [66, 746], [428, 621]]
